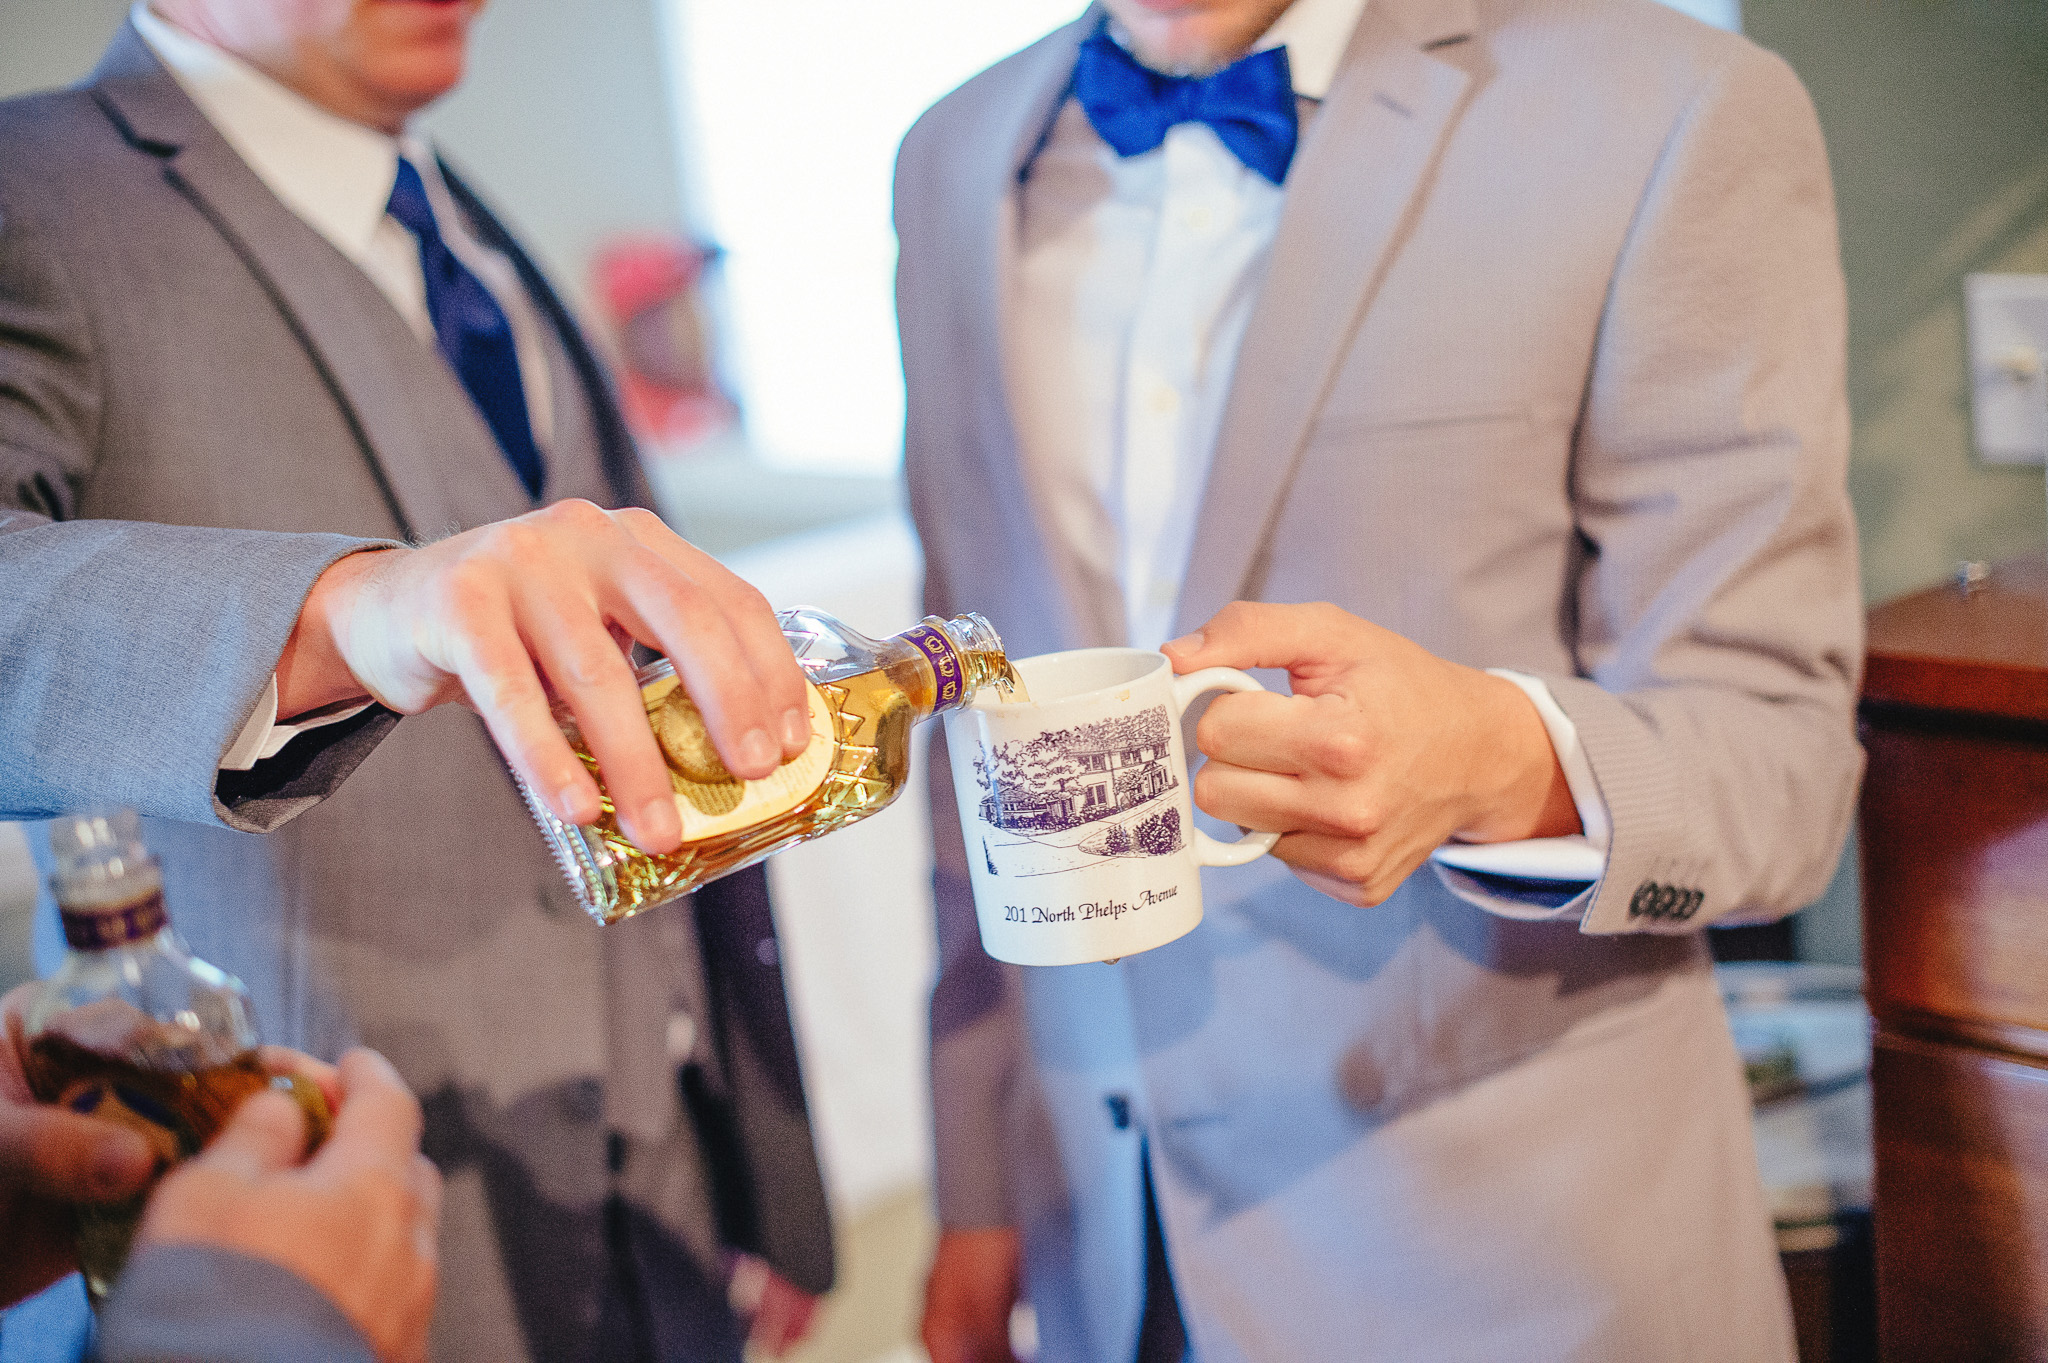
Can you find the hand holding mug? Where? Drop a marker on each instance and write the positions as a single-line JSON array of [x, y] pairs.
[[1383, 752]]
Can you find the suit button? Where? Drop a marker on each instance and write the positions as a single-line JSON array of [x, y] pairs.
[[1652, 900], [1119, 1111]]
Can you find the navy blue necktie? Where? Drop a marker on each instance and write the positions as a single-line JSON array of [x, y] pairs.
[[1249, 105], [471, 331]]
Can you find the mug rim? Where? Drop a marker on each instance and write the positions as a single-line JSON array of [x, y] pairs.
[[1008, 709]]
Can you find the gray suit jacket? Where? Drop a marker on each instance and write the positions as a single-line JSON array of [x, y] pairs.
[[202, 404], [1547, 373], [197, 1304]]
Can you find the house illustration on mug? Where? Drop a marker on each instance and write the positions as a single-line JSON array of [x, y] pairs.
[[1065, 778]]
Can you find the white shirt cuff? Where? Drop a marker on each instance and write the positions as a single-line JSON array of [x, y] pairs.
[[262, 736], [1564, 869]]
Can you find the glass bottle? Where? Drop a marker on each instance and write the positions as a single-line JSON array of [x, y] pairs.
[[866, 695], [134, 1028]]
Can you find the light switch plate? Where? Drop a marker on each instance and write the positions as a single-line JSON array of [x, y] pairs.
[[2006, 316]]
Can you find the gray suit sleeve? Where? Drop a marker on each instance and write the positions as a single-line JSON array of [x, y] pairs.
[[1718, 617], [977, 1031], [130, 653], [197, 1304]]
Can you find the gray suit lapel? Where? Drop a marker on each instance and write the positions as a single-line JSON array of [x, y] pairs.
[[437, 460], [1349, 195], [1015, 120]]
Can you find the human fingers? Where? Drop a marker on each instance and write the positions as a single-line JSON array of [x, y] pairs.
[[726, 643], [13, 1046], [488, 655], [1362, 872], [421, 627], [424, 1181], [1325, 735], [51, 1153], [576, 649], [431, 625], [1310, 641], [376, 1127], [285, 1060], [267, 1133], [1271, 802], [754, 629], [48, 1152], [387, 1282]]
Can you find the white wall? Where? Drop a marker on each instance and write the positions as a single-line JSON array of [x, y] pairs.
[[52, 42], [792, 113], [565, 125]]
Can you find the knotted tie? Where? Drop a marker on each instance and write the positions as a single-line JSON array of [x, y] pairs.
[[1249, 105], [470, 330]]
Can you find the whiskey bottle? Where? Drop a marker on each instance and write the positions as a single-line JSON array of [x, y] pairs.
[[866, 695], [134, 1028]]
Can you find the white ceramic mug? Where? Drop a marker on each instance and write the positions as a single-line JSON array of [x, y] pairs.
[[1076, 808]]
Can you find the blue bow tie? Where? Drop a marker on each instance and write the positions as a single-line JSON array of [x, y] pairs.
[[1249, 105]]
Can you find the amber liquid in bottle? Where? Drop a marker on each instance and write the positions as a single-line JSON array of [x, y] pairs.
[[176, 1111], [867, 700]]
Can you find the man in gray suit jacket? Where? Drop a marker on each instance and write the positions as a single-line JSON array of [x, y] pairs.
[[1513, 332], [249, 330]]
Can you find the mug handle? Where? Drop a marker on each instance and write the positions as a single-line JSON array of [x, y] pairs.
[[1213, 851]]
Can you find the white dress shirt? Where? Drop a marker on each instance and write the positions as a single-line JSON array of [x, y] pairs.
[[1135, 280], [336, 175]]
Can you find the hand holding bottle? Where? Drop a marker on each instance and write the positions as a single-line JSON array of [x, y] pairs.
[[358, 1221], [498, 615], [1382, 752], [863, 699], [50, 1159]]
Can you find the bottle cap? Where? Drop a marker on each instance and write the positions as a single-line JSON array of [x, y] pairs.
[[109, 888]]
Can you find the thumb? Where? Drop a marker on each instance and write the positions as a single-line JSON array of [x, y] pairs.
[[70, 1158], [266, 1134]]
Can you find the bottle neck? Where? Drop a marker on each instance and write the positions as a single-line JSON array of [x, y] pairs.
[[90, 926], [965, 654]]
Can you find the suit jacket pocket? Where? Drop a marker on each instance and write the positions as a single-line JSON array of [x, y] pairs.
[[1449, 524], [1396, 421]]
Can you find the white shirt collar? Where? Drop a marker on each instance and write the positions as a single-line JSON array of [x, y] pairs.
[[335, 174], [1315, 34]]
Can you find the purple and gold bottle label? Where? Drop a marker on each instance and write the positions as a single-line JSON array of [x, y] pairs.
[[96, 929], [938, 650]]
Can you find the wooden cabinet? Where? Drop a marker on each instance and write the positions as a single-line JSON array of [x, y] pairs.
[[1955, 888]]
